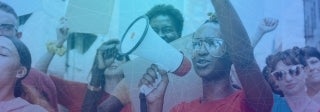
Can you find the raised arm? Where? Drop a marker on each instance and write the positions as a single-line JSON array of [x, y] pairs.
[[265, 26], [258, 93], [54, 47]]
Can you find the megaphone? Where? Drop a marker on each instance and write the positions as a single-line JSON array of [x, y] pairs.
[[141, 40]]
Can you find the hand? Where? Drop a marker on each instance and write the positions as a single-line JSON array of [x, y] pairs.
[[103, 48], [149, 79], [268, 24], [62, 30], [109, 51]]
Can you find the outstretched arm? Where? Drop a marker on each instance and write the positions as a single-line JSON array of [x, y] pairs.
[[265, 26], [62, 35], [258, 93]]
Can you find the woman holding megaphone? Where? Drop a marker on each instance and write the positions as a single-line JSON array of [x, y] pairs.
[[216, 46]]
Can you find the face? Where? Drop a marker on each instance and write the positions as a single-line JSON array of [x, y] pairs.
[[313, 70], [289, 78], [114, 61], [164, 27], [208, 47], [8, 25], [9, 62]]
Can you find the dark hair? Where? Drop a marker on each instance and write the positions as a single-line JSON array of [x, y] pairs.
[[266, 74], [308, 52], [225, 58], [212, 18], [6, 8], [100, 72], [288, 57], [98, 80], [169, 10], [25, 60]]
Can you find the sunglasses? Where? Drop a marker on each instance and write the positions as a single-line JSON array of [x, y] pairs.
[[113, 53], [293, 72], [7, 27]]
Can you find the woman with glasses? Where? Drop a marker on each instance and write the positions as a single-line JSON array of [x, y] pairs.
[[216, 46], [288, 73]]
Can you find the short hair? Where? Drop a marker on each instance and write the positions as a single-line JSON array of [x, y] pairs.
[[266, 74], [6, 8], [308, 52], [288, 57], [170, 11]]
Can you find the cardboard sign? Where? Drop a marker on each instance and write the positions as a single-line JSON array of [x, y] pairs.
[[90, 16]]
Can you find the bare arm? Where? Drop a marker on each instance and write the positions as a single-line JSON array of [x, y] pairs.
[[62, 35], [265, 26], [46, 59], [258, 92], [112, 104]]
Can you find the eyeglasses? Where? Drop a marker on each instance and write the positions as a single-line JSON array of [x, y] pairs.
[[293, 72], [213, 45], [7, 27]]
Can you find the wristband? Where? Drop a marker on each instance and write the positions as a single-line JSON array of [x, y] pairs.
[[92, 88], [52, 48]]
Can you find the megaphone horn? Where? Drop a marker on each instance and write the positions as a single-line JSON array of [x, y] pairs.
[[141, 40]]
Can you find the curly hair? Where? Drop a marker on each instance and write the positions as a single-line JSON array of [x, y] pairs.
[[170, 11], [308, 52], [289, 57]]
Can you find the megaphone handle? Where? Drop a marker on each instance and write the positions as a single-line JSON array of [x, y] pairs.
[[143, 103], [146, 90]]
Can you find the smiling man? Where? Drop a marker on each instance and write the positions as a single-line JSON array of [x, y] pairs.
[[166, 21]]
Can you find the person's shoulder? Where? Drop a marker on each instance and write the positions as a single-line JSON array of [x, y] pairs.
[[36, 76], [20, 105], [34, 73], [239, 94], [186, 105], [34, 108]]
